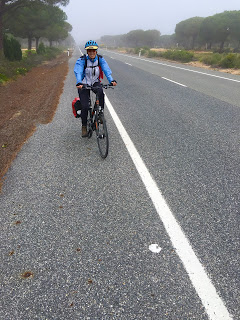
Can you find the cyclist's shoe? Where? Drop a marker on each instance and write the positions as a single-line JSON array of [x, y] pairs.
[[84, 132]]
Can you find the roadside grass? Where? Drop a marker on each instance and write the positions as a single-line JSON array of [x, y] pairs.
[[225, 60], [10, 70]]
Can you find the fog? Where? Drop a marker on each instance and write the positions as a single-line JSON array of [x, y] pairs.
[[93, 19]]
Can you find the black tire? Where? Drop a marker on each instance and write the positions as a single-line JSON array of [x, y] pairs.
[[89, 129], [89, 124], [102, 136]]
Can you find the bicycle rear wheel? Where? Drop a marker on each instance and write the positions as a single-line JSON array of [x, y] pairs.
[[102, 136], [89, 123]]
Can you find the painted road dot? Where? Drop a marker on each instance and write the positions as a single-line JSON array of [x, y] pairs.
[[155, 248]]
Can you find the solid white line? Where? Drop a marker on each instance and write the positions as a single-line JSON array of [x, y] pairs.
[[128, 64], [213, 304], [185, 69], [183, 85]]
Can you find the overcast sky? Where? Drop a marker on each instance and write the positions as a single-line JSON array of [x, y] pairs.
[[93, 19]]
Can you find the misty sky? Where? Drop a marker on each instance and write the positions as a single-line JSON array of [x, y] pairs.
[[93, 19]]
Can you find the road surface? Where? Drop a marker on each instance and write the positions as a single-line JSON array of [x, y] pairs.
[[152, 231]]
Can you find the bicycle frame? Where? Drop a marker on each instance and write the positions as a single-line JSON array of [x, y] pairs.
[[96, 121]]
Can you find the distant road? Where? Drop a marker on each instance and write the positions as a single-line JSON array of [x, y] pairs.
[[220, 85]]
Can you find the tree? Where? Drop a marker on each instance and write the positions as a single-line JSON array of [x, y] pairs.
[[57, 32], [12, 48], [35, 20], [141, 38], [187, 31], [134, 38], [58, 28], [234, 26], [167, 41], [151, 38], [207, 32], [8, 6], [220, 27]]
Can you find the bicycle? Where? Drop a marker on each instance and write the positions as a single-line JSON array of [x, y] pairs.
[[96, 121]]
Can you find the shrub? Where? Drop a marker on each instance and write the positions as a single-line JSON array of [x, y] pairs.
[[130, 50], [51, 53], [228, 61], [11, 69], [153, 54], [3, 78], [236, 50], [41, 48], [12, 49], [21, 71], [178, 55], [237, 62], [29, 53], [212, 59], [136, 50]]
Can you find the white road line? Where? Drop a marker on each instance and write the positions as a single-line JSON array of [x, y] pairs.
[[185, 69], [183, 85], [128, 64], [213, 304]]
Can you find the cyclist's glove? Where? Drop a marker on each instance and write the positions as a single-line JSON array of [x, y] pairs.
[[113, 81], [78, 84]]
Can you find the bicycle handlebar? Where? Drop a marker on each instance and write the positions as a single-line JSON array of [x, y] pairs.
[[105, 86]]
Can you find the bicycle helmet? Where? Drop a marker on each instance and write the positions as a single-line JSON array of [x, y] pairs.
[[91, 44]]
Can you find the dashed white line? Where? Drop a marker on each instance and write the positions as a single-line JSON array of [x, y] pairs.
[[128, 64], [213, 304], [180, 84], [171, 66]]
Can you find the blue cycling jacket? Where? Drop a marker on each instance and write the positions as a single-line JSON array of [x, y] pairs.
[[91, 74]]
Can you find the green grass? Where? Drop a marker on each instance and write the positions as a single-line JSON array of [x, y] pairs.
[[227, 59], [222, 60], [218, 60], [12, 69]]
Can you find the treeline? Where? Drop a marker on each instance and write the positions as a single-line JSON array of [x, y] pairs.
[[218, 31], [134, 38], [33, 20]]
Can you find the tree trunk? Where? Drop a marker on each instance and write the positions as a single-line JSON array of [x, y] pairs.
[[2, 5], [37, 42], [221, 46], [50, 43], [209, 45], [193, 42], [29, 43]]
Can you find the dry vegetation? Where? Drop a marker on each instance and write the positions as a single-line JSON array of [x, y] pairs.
[[26, 102]]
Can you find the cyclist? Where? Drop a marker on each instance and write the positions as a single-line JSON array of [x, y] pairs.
[[87, 71]]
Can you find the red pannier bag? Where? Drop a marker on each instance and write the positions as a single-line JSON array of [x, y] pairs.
[[76, 105]]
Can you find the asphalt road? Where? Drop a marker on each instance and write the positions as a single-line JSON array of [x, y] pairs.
[[81, 226]]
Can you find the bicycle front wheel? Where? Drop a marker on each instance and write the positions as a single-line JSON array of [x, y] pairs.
[[102, 136]]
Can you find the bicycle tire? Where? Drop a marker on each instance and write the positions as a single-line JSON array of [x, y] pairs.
[[89, 128], [89, 124], [102, 136]]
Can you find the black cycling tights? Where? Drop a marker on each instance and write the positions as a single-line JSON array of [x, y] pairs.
[[84, 99]]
